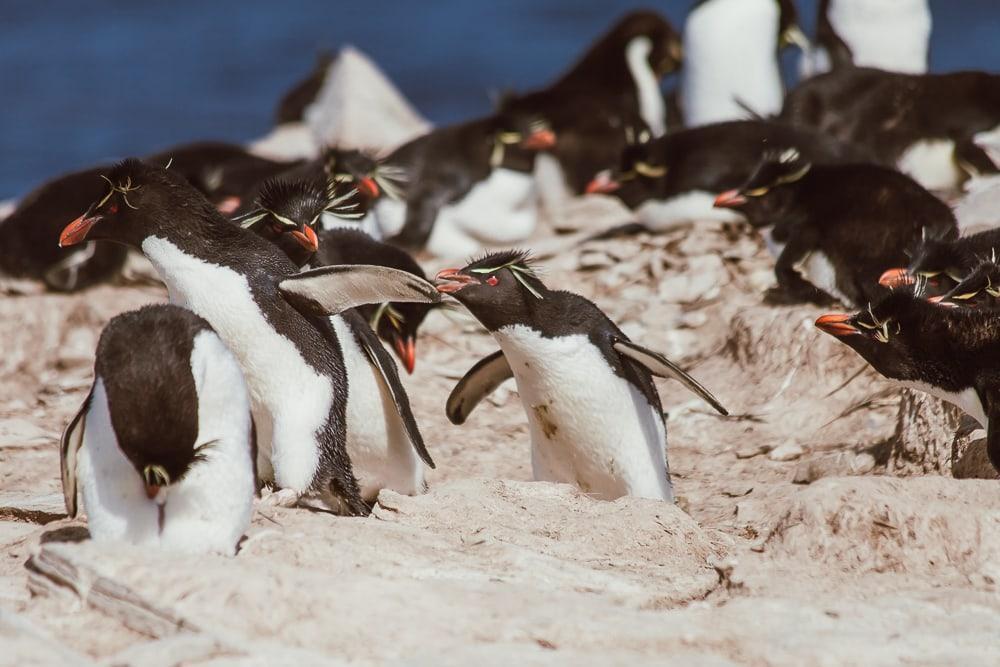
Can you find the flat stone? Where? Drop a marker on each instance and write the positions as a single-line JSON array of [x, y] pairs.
[[787, 452], [752, 450]]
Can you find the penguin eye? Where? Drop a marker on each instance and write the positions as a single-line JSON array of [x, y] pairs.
[[492, 281], [113, 209]]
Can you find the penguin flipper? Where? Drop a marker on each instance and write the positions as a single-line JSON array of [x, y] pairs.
[[478, 383], [330, 290], [660, 366], [388, 377], [69, 446]]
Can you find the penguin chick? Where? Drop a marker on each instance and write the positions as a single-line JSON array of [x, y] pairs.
[[951, 353], [274, 319], [944, 262], [162, 447], [594, 413], [844, 223]]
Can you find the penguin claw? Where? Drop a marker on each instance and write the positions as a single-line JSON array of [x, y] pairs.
[[281, 498]]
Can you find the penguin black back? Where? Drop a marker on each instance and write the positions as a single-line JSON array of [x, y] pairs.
[[293, 104]]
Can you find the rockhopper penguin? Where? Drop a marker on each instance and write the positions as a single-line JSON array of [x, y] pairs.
[[595, 416], [951, 353], [843, 225], [161, 448], [943, 263], [273, 319]]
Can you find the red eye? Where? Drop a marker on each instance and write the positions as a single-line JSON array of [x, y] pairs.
[[492, 280], [113, 209]]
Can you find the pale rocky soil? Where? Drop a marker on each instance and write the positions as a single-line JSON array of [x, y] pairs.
[[856, 567]]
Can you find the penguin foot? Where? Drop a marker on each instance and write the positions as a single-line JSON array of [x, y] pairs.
[[281, 498]]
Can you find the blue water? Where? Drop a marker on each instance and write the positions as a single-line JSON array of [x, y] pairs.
[[85, 82]]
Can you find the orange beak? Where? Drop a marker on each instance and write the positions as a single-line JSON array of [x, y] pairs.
[[228, 206], [152, 490], [369, 186], [539, 140], [307, 238], [602, 184], [836, 325], [896, 278], [406, 350], [76, 231], [730, 199], [456, 280]]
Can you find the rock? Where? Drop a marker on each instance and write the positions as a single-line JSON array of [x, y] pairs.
[[700, 281], [751, 450], [738, 490], [974, 463], [33, 508], [925, 431], [19, 432], [786, 452], [833, 465]]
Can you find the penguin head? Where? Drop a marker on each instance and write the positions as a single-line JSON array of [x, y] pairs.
[[372, 178], [517, 133], [937, 260], [980, 289], [138, 202], [160, 464], [789, 31], [497, 288], [642, 167], [769, 192], [666, 51]]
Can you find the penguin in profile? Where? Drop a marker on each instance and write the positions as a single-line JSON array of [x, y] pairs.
[[900, 118], [162, 447], [273, 319], [286, 214], [836, 228], [943, 262], [731, 68], [383, 440], [594, 413], [675, 179], [891, 35], [950, 353], [979, 289], [380, 188]]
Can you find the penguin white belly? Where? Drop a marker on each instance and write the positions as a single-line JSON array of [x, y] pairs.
[[390, 216], [209, 509], [114, 496], [967, 400], [588, 426], [550, 180], [501, 210], [892, 35], [290, 400], [932, 164], [818, 270], [730, 57], [696, 206], [652, 106], [380, 451]]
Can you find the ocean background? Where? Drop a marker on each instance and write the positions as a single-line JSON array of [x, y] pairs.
[[89, 82]]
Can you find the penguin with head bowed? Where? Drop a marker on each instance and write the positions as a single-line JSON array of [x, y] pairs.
[[979, 289], [162, 447], [901, 119], [380, 189], [836, 228], [731, 67], [943, 262], [891, 35], [383, 440], [594, 413], [674, 179], [272, 318], [950, 353]]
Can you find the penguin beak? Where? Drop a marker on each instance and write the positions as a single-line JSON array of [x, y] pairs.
[[456, 280], [406, 349], [939, 301], [836, 325], [730, 199], [894, 278], [77, 231], [602, 184], [369, 186], [228, 206], [539, 140], [306, 238], [152, 490]]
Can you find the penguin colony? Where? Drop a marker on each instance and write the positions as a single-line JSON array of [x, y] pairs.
[[285, 278]]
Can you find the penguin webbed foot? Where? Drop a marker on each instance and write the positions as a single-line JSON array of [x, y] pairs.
[[280, 498]]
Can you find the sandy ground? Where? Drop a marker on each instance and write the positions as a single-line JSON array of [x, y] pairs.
[[750, 567]]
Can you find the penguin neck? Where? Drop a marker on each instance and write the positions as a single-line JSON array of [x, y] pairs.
[[652, 106]]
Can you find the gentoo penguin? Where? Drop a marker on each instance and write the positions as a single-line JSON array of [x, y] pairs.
[[162, 447], [674, 179], [615, 84], [944, 262], [925, 125], [731, 68], [844, 224], [29, 235], [891, 35], [383, 440], [286, 214], [951, 353], [468, 185], [595, 416], [979, 289], [273, 319]]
